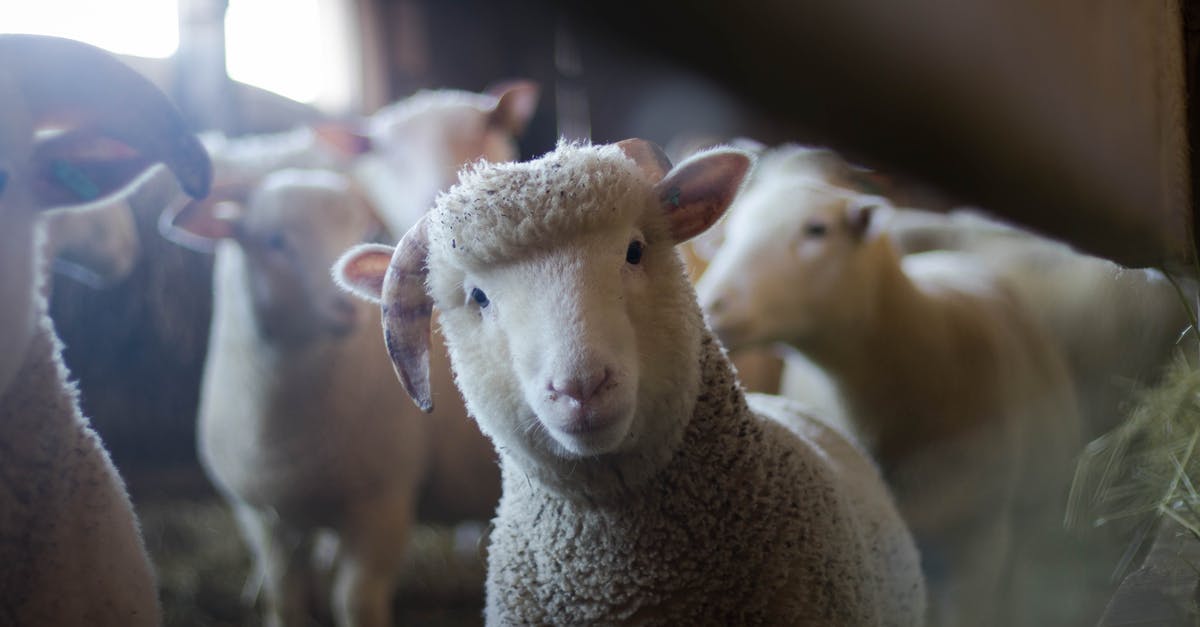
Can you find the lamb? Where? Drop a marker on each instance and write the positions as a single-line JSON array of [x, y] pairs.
[[301, 425], [69, 542], [944, 376], [97, 247], [401, 155], [640, 484]]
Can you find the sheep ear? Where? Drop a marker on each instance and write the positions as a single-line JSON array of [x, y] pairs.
[[407, 313], [859, 217], [517, 101], [346, 139], [199, 225], [650, 159], [697, 192], [116, 122], [361, 269]]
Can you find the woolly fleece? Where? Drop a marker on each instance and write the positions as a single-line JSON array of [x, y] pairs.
[[719, 516]]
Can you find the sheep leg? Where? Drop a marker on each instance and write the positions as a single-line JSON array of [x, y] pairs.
[[976, 565], [374, 542], [281, 559]]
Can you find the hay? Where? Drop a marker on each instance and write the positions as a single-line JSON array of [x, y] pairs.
[[1149, 466], [202, 567]]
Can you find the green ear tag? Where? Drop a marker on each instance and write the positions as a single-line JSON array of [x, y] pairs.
[[673, 198], [75, 180]]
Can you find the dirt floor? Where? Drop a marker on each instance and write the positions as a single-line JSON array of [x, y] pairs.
[[202, 568]]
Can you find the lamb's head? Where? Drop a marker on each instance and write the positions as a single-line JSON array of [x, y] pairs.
[[291, 230], [571, 326], [98, 247], [448, 128], [797, 259], [76, 127]]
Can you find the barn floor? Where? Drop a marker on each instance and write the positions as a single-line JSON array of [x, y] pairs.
[[202, 567]]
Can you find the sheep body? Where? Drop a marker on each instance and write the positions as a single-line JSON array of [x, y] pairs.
[[943, 374], [301, 424], [70, 546], [754, 508], [639, 487]]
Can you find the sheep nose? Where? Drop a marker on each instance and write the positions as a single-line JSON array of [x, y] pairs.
[[580, 388]]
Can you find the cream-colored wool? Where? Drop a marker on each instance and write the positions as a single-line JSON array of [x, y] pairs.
[[944, 375], [71, 553], [677, 504], [737, 529], [302, 427]]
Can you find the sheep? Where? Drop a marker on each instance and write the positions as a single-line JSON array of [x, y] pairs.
[[640, 484], [69, 541], [401, 155], [97, 247], [301, 425], [943, 375], [1134, 316]]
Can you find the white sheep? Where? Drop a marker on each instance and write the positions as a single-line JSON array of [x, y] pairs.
[[638, 485], [1118, 327], [70, 546], [401, 156], [944, 376], [98, 247], [301, 424]]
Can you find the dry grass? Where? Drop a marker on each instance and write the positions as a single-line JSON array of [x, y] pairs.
[[202, 568]]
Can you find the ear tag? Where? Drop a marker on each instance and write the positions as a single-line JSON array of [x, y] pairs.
[[74, 179], [673, 197]]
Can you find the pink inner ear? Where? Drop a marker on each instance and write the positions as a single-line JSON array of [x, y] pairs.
[[696, 194], [516, 104], [650, 159], [365, 270], [76, 167], [344, 139]]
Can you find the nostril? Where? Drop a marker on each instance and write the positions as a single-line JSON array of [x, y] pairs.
[[581, 388]]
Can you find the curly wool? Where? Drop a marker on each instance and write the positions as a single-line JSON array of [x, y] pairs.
[[748, 524], [501, 211]]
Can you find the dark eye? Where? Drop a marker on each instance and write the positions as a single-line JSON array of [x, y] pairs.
[[633, 254], [276, 241], [815, 229], [479, 297]]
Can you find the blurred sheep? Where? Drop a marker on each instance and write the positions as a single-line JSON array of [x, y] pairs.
[[69, 542], [943, 373]]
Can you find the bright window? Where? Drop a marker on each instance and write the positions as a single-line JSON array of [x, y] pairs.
[[296, 48], [146, 28]]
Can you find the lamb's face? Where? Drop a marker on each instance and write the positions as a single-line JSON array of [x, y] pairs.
[[572, 328], [296, 224], [99, 247], [790, 263], [572, 336]]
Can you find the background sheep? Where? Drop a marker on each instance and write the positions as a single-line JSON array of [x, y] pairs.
[[1134, 317], [302, 426], [637, 484], [71, 549], [943, 374]]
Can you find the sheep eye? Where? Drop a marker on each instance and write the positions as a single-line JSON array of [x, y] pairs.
[[633, 254], [479, 297], [815, 229], [276, 241]]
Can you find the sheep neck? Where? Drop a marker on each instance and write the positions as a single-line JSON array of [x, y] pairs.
[[719, 408], [897, 368]]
